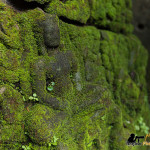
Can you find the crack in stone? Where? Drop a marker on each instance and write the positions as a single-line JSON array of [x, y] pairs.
[[22, 5]]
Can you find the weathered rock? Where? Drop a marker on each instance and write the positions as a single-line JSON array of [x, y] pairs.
[[42, 123], [51, 31], [53, 69], [11, 105], [12, 112], [83, 84]]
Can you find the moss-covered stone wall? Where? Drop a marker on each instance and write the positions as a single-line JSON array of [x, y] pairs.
[[72, 76]]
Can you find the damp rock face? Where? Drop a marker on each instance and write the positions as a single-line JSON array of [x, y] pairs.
[[72, 76], [54, 69]]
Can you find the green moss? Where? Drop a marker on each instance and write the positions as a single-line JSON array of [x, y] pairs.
[[10, 30], [106, 72], [84, 43], [9, 76], [110, 76], [106, 62], [12, 115], [115, 15], [25, 82], [42, 124], [130, 90], [12, 133], [77, 10], [12, 105], [2, 5], [14, 146]]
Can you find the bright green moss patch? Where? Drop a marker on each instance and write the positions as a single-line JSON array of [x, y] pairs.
[[10, 30], [77, 10], [2, 5]]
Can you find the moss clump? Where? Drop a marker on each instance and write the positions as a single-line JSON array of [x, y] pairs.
[[130, 90], [12, 119], [12, 105], [2, 5], [12, 133], [77, 10], [9, 34], [42, 123], [113, 15]]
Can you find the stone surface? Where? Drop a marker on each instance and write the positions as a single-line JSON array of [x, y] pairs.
[[86, 91], [51, 31], [42, 123]]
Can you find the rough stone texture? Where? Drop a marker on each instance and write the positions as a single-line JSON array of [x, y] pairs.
[[42, 123], [99, 97], [51, 31]]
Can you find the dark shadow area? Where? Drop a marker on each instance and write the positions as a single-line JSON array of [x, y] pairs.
[[69, 21], [63, 1], [141, 22], [141, 26], [96, 144], [22, 5]]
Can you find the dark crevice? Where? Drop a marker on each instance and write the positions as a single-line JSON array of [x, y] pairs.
[[109, 18], [17, 86], [77, 23], [63, 1], [22, 5], [96, 144], [141, 26], [2, 29], [69, 21], [97, 26], [124, 126]]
